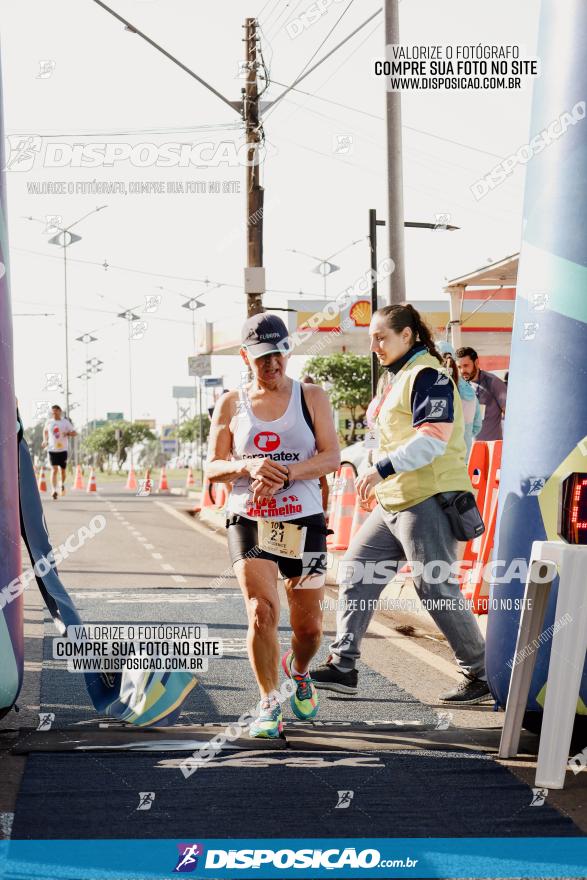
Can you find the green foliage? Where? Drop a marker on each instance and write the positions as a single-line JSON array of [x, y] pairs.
[[189, 430], [103, 443], [349, 376], [34, 438]]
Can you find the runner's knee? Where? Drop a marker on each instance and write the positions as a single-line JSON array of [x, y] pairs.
[[308, 631], [263, 613]]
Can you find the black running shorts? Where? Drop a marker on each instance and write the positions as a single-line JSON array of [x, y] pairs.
[[58, 459], [242, 543]]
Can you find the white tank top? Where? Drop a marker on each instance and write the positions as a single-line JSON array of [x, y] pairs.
[[285, 440]]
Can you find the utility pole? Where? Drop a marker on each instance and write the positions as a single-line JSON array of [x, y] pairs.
[[255, 280], [395, 183], [373, 224]]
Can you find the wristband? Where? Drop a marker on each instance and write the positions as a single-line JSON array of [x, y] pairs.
[[385, 468]]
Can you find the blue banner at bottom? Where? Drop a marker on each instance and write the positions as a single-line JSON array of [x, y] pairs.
[[519, 857]]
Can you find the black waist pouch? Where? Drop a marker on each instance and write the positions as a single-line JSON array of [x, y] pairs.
[[463, 514]]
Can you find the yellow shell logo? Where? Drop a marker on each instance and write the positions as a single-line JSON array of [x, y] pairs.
[[360, 313]]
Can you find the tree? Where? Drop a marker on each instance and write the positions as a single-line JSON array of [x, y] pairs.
[[34, 438], [350, 378], [189, 431], [103, 443]]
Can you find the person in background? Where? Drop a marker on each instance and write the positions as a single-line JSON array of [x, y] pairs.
[[56, 433], [471, 407], [420, 454], [491, 393]]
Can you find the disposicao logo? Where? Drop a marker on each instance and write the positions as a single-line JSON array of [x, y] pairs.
[[267, 441], [188, 857]]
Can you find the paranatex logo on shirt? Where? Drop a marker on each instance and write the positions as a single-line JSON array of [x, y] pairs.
[[267, 441]]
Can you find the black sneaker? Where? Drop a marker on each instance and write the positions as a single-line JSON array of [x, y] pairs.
[[471, 690], [329, 678], [54, 496]]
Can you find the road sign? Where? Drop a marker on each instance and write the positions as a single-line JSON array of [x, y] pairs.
[[184, 392], [115, 416], [212, 381], [199, 365], [168, 439], [150, 423]]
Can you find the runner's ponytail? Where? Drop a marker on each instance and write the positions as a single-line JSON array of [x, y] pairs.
[[403, 315]]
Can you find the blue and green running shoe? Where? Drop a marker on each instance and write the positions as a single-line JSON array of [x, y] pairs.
[[304, 702], [269, 724]]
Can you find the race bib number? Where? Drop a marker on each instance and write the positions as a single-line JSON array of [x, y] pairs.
[[371, 440], [281, 538]]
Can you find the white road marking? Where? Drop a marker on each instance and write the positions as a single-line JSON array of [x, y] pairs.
[[178, 578], [157, 555], [167, 567], [149, 546]]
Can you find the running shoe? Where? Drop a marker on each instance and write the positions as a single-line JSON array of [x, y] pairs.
[[54, 496], [63, 490], [269, 724], [329, 678], [304, 701], [470, 691]]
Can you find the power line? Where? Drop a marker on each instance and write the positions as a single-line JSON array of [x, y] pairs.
[[430, 134], [322, 60], [167, 54], [223, 126], [326, 38]]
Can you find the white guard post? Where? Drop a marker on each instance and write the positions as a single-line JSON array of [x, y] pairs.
[[567, 656]]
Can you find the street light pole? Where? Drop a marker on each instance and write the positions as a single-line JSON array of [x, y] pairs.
[[395, 183], [373, 224]]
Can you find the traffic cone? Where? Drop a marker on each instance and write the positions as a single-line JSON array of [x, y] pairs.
[[206, 499], [343, 511], [148, 485], [221, 495], [163, 484], [360, 514], [79, 480], [42, 484], [190, 479], [92, 482], [131, 483]]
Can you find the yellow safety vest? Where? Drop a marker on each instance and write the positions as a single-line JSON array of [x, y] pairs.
[[446, 473]]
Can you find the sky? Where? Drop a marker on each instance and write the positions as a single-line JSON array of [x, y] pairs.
[[78, 77]]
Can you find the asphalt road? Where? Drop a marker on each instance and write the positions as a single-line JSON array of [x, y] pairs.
[[154, 563]]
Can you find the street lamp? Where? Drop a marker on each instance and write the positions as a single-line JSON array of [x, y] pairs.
[[86, 339], [323, 265], [373, 224], [64, 239], [129, 316]]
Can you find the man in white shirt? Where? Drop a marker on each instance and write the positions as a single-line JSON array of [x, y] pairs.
[[56, 435]]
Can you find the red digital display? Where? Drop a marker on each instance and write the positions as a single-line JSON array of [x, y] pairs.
[[573, 509]]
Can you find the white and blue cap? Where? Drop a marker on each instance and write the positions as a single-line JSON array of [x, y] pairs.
[[265, 334]]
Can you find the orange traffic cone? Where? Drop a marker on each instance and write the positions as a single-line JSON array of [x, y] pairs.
[[148, 485], [79, 480], [42, 484], [131, 483], [190, 479], [206, 499], [360, 514], [92, 482], [163, 484], [221, 495], [343, 510]]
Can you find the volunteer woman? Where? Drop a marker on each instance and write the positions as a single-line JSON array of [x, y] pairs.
[[420, 454], [273, 441]]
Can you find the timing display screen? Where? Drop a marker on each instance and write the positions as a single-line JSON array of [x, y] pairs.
[[573, 510]]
